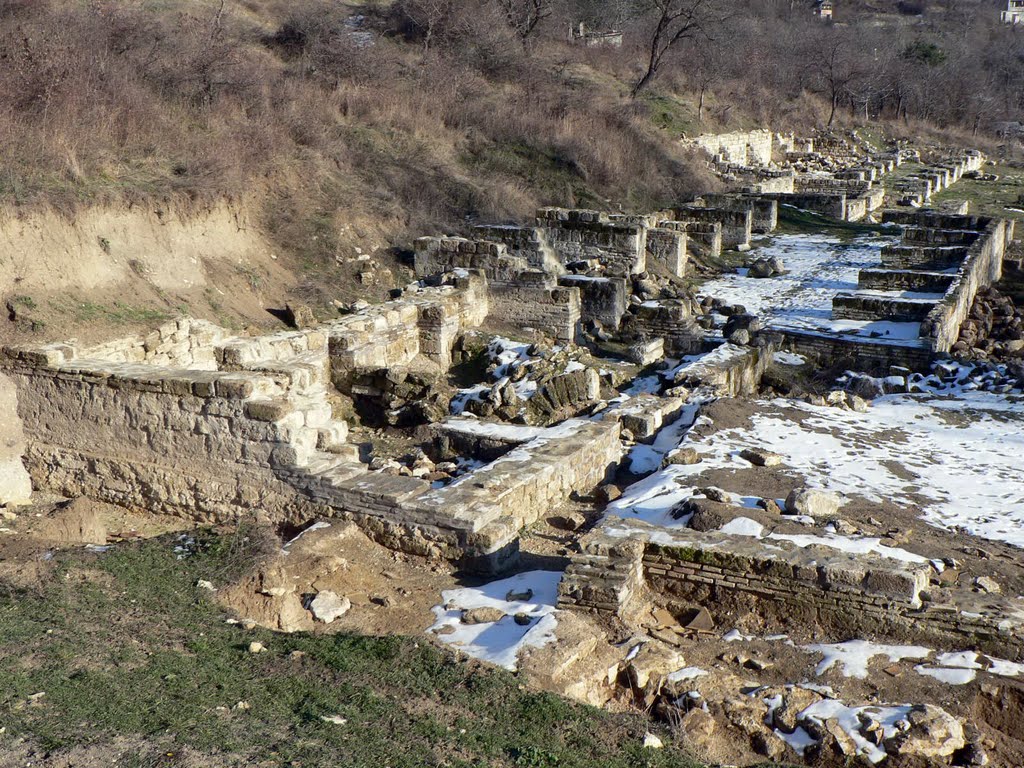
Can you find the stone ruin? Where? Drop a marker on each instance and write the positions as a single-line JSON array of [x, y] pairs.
[[196, 421]]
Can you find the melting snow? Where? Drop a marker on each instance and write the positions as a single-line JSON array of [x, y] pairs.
[[686, 673], [849, 718], [817, 268], [855, 655], [788, 358], [955, 455], [500, 642], [860, 545]]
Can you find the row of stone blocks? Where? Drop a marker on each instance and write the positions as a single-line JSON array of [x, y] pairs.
[[623, 565]]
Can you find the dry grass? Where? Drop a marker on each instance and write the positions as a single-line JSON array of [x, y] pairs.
[[125, 102]]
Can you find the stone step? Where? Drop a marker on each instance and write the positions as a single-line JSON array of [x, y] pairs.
[[930, 258], [905, 280], [858, 306]]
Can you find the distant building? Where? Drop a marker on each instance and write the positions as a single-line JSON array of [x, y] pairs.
[[588, 37], [1014, 13], [823, 9]]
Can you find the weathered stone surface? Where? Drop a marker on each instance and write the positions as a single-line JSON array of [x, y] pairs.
[[15, 484], [933, 733], [684, 456], [821, 505], [328, 606], [760, 457], [482, 615]]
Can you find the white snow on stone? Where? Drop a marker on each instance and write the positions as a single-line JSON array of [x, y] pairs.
[[955, 455], [686, 673], [889, 718], [743, 526], [799, 739], [947, 675], [500, 642], [859, 545], [1005, 668], [788, 358], [647, 458], [959, 660], [510, 432], [734, 635], [855, 655]]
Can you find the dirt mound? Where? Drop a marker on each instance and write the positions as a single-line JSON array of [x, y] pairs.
[[389, 592]]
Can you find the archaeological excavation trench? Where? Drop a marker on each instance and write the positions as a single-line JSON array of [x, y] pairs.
[[750, 464]]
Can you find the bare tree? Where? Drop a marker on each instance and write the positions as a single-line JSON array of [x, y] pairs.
[[836, 67], [706, 66], [523, 16], [428, 17], [674, 22]]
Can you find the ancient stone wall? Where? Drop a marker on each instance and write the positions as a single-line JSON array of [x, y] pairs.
[[739, 147], [737, 225], [186, 343], [982, 267], [601, 298], [864, 306], [831, 205], [436, 255], [667, 248], [622, 565], [730, 370], [582, 235], [764, 210], [203, 444], [528, 243], [904, 280], [554, 310]]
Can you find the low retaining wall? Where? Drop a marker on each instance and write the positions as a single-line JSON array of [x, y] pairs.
[[922, 257], [904, 280], [864, 354], [623, 567], [859, 306], [982, 267]]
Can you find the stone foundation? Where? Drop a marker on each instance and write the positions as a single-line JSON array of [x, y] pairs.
[[624, 566]]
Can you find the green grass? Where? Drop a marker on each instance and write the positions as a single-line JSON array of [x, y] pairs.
[[990, 198], [671, 114], [119, 312], [794, 221], [127, 648]]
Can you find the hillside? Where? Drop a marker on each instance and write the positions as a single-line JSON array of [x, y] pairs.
[[328, 135]]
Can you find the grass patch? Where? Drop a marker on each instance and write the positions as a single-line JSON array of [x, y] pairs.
[[119, 312], [671, 114], [797, 221], [126, 647], [990, 198]]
